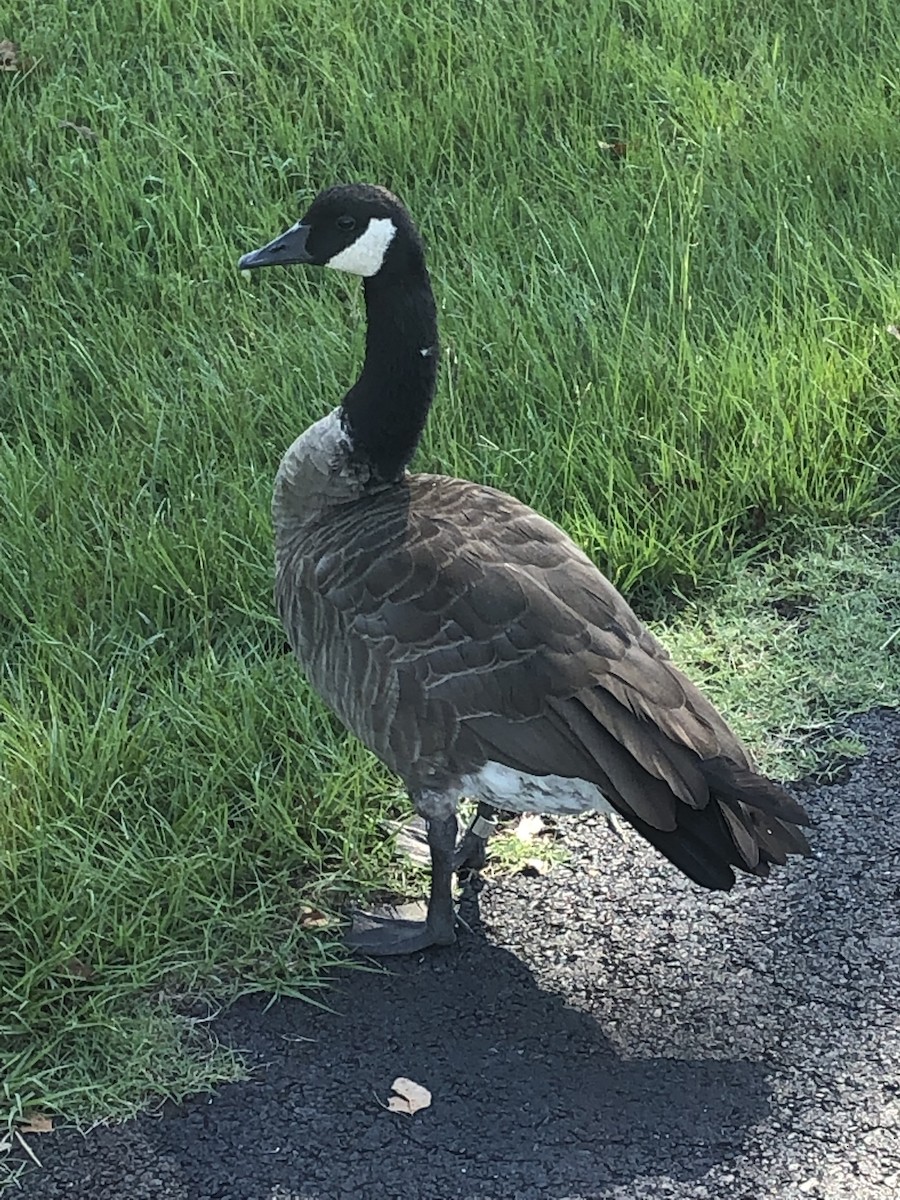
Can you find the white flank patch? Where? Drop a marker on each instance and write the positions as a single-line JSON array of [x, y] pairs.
[[507, 788], [366, 254]]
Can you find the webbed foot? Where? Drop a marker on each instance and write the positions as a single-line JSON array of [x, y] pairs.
[[396, 932], [388, 932]]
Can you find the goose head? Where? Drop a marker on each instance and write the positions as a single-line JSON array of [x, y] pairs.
[[358, 228]]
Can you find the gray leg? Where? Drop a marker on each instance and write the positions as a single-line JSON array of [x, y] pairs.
[[472, 851], [442, 842], [617, 825], [380, 935]]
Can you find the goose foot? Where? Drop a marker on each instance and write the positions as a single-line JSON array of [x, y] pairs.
[[385, 933], [396, 933]]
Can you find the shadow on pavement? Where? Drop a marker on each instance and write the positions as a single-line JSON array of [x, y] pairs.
[[529, 1096]]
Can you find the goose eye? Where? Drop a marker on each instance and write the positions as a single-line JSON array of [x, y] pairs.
[[346, 222]]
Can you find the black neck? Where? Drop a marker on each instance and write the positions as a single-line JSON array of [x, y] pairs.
[[386, 409]]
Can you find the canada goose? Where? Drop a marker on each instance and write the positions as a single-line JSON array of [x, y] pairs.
[[465, 639]]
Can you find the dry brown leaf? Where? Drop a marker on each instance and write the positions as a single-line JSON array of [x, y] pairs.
[[529, 826], [410, 1096], [9, 56], [313, 918], [35, 1122]]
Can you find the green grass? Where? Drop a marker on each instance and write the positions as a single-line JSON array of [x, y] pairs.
[[793, 645], [680, 355]]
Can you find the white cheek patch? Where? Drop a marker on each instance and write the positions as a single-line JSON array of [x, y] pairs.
[[366, 254]]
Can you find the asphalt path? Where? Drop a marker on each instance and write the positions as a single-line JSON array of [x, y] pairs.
[[606, 1031]]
